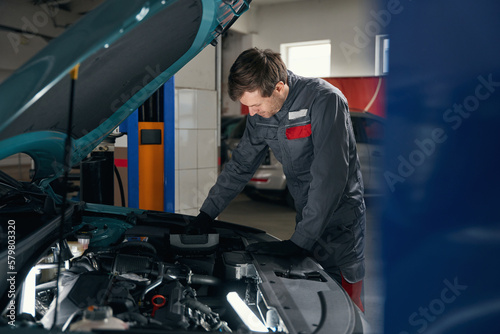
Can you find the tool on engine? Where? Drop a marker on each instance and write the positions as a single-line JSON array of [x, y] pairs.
[[157, 305]]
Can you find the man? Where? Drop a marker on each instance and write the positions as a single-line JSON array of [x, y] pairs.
[[306, 123]]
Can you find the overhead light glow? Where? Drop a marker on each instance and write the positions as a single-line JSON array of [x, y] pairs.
[[142, 14], [28, 293], [245, 313]]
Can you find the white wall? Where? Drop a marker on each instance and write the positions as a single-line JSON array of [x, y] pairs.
[[336, 20], [196, 132], [200, 72], [232, 45]]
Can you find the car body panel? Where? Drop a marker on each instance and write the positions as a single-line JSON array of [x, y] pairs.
[[375, 185], [368, 129], [297, 293], [365, 163]]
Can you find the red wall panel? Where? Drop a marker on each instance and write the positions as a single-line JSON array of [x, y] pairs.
[[363, 93]]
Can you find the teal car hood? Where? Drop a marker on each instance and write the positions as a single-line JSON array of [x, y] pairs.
[[126, 51]]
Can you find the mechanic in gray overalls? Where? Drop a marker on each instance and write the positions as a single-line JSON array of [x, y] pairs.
[[306, 123]]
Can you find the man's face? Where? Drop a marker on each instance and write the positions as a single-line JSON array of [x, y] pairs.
[[263, 106]]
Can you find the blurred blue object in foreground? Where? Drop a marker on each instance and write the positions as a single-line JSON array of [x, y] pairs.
[[441, 225]]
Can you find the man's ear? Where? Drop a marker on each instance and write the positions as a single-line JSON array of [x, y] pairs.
[[279, 86]]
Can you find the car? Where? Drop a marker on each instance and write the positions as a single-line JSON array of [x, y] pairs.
[[76, 266], [230, 135], [269, 180], [369, 133]]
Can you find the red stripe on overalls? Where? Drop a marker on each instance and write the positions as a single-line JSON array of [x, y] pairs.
[[297, 132]]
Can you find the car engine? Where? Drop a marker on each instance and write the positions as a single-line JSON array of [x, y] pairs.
[[150, 279]]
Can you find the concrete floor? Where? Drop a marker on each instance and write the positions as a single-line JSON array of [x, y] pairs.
[[279, 220]]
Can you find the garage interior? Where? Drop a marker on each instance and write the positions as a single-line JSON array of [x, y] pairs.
[[201, 99], [199, 96], [199, 89], [195, 100]]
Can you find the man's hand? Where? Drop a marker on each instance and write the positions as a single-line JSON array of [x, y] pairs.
[[276, 248], [200, 225]]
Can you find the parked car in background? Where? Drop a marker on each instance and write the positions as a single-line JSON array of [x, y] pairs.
[[269, 181], [369, 132], [230, 133], [76, 266]]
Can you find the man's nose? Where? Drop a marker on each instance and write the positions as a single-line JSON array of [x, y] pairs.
[[253, 111]]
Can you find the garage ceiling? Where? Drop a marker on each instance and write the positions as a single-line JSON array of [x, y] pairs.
[[272, 2], [83, 6]]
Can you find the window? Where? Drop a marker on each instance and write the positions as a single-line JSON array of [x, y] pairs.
[[308, 59], [381, 55], [367, 130]]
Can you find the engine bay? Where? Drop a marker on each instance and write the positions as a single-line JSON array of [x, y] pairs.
[[113, 269], [147, 277]]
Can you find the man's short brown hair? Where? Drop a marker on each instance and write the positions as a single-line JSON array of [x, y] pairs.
[[256, 69]]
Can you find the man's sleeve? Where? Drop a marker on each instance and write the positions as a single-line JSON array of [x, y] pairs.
[[329, 170], [245, 160]]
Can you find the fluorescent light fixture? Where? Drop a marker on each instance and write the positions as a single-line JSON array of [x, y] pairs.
[[28, 292], [245, 313]]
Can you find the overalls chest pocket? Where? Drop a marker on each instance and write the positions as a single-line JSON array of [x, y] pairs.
[[267, 132], [298, 134]]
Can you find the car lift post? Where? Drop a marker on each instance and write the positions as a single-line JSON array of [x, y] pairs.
[[151, 152]]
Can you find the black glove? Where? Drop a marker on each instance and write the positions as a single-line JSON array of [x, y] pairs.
[[276, 248], [200, 225]]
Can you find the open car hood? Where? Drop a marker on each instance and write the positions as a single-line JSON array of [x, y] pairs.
[[126, 51]]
